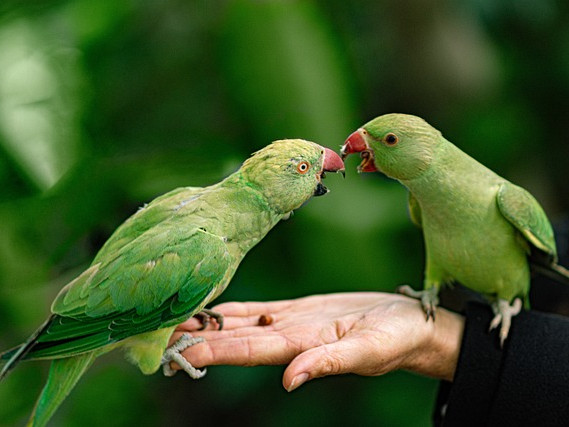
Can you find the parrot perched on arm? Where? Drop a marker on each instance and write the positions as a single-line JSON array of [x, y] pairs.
[[164, 264], [479, 229]]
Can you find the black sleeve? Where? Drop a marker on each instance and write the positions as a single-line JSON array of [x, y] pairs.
[[526, 383]]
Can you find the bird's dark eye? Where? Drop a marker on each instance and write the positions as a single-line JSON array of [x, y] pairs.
[[391, 139], [302, 167]]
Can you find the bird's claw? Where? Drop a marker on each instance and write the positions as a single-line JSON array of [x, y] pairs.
[[428, 297], [205, 317], [430, 312], [173, 354], [503, 313]]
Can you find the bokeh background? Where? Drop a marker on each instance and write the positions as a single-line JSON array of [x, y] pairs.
[[106, 104]]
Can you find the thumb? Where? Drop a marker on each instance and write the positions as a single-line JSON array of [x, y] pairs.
[[340, 357]]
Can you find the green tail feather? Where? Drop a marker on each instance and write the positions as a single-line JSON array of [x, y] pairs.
[[16, 354], [8, 354], [63, 375]]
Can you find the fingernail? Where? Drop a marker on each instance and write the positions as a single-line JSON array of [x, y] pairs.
[[297, 381]]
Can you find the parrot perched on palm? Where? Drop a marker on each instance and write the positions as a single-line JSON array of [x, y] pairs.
[[164, 264], [479, 229]]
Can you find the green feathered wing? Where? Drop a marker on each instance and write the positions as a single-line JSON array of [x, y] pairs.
[[155, 271], [157, 211], [188, 265], [524, 212]]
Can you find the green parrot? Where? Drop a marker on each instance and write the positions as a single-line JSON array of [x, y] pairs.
[[479, 229], [164, 264]]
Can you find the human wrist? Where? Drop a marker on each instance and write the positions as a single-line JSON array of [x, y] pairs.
[[436, 353]]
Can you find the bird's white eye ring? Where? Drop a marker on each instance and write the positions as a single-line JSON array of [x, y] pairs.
[[303, 167]]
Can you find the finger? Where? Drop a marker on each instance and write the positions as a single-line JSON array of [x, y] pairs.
[[245, 309], [237, 315], [340, 357], [225, 334], [229, 323], [268, 349], [192, 324]]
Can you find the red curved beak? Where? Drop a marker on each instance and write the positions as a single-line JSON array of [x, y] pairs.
[[356, 143], [332, 162]]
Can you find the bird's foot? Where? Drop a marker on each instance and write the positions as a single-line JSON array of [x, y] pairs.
[[205, 317], [503, 313], [173, 354], [428, 297]]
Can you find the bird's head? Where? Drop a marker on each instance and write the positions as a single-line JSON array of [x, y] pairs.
[[290, 171], [399, 145]]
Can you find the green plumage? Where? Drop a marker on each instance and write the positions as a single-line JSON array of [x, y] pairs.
[[163, 265], [479, 228]]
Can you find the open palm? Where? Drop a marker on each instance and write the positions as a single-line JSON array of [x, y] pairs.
[[366, 333]]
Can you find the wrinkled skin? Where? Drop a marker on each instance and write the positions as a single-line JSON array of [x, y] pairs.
[[365, 333]]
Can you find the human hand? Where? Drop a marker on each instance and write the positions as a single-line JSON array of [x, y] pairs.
[[366, 333]]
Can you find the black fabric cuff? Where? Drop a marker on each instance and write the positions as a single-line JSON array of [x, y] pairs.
[[526, 383]]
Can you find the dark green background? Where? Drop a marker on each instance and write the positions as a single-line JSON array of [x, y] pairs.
[[106, 104]]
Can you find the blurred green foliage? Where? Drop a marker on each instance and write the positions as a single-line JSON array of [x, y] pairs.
[[105, 105]]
